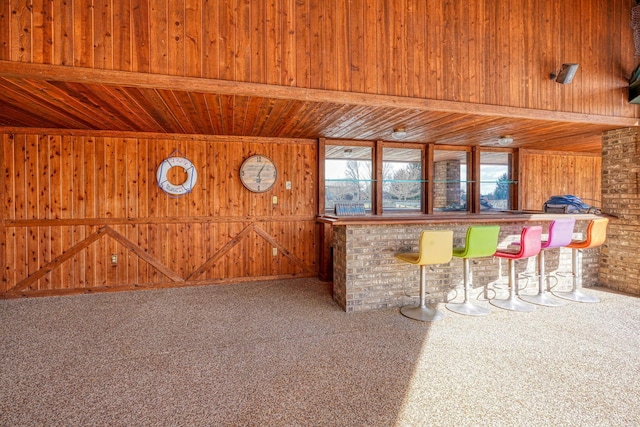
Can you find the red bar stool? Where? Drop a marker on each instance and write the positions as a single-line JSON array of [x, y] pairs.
[[529, 246], [560, 234], [596, 235], [436, 247], [480, 242]]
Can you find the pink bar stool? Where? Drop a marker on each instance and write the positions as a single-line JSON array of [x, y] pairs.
[[560, 234], [529, 246]]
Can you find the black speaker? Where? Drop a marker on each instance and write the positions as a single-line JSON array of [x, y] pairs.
[[566, 73]]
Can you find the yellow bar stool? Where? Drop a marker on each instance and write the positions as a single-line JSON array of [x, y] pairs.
[[435, 247], [596, 235], [480, 242]]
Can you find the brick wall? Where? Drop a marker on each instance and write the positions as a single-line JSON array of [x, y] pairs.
[[447, 186], [367, 275], [620, 265]]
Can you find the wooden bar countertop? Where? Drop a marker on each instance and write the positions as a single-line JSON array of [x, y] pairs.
[[481, 218]]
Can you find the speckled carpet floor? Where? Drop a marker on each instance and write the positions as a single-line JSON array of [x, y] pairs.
[[283, 354]]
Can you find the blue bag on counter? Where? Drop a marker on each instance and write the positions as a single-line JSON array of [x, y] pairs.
[[568, 204]]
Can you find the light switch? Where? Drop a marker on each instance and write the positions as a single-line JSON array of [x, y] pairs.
[[275, 200], [287, 185]]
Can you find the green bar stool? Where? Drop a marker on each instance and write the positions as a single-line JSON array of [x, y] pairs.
[[481, 242], [435, 247]]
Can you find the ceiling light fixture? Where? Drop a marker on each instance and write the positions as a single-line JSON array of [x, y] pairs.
[[505, 140], [399, 133], [566, 74]]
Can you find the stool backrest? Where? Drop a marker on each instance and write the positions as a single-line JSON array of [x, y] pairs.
[[436, 247], [530, 243], [481, 241], [596, 232], [560, 233]]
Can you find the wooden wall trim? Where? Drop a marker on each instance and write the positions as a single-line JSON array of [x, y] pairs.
[[10, 69], [525, 151], [154, 135], [148, 220]]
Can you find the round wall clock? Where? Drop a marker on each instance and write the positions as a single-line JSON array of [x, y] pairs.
[[258, 173]]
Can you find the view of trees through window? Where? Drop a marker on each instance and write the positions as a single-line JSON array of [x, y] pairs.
[[348, 176], [402, 179], [495, 183]]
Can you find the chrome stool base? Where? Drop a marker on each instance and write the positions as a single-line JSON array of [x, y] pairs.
[[468, 309], [421, 313], [513, 305], [512, 302], [576, 296], [542, 299]]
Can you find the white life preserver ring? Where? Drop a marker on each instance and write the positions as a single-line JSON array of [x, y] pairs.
[[179, 189]]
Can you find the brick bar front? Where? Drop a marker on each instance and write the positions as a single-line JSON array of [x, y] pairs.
[[367, 276]]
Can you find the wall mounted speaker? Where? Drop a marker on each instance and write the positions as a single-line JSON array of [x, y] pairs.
[[566, 73]]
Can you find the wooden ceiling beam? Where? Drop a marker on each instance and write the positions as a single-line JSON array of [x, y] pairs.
[[21, 70]]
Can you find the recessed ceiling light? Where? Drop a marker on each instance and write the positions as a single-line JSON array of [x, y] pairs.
[[399, 133], [505, 140]]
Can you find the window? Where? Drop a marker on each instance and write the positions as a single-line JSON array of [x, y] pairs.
[[348, 175], [402, 179], [451, 184], [496, 183], [412, 178]]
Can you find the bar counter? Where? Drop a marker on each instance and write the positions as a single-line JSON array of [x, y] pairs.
[[357, 254]]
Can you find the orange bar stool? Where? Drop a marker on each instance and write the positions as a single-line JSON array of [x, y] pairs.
[[530, 245], [560, 234], [435, 247], [480, 242], [596, 235]]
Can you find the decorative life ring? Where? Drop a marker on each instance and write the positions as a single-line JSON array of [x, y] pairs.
[[179, 189]]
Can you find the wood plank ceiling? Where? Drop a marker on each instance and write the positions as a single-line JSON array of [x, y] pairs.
[[37, 96]]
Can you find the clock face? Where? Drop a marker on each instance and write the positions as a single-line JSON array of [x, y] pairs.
[[258, 173]]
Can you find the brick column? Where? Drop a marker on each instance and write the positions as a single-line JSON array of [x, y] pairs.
[[619, 263], [448, 192]]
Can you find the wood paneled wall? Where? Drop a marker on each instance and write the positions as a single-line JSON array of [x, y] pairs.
[[497, 52], [547, 173], [70, 202]]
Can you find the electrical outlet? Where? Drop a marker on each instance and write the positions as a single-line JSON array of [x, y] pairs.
[[287, 185], [274, 251], [114, 259]]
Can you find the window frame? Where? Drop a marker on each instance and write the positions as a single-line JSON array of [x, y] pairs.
[[469, 178], [323, 143], [428, 174], [381, 145]]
